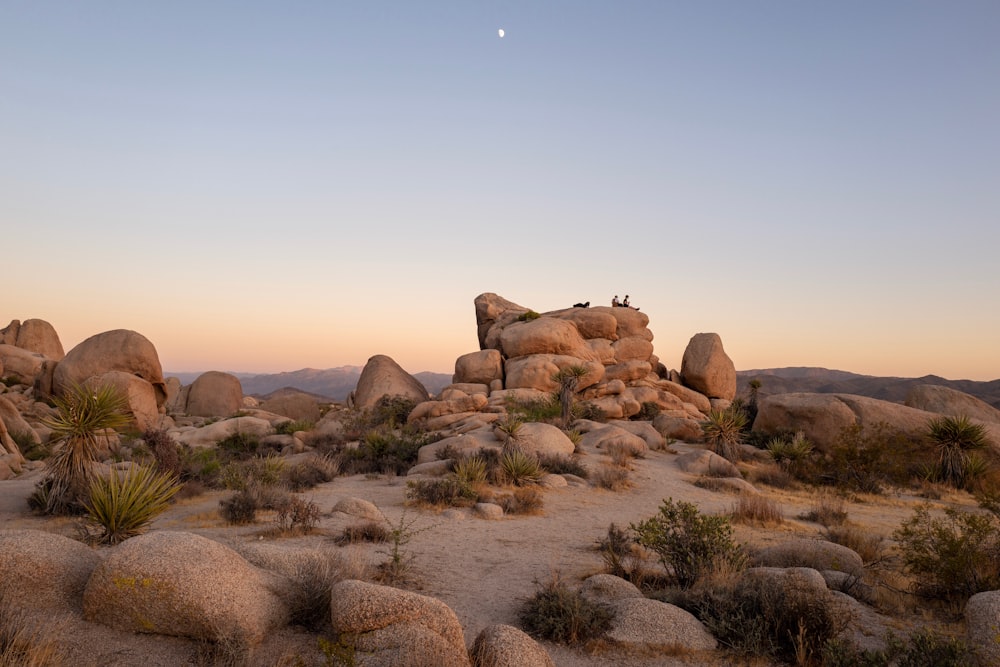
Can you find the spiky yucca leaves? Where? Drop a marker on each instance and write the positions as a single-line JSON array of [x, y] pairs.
[[955, 438], [724, 429], [519, 468], [123, 505], [84, 413], [509, 428], [471, 470]]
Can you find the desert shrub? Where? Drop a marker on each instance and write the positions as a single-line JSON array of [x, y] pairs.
[[164, 450], [471, 470], [82, 416], [793, 455], [828, 510], [518, 468], [922, 648], [242, 507], [545, 410], [24, 643], [870, 546], [297, 515], [955, 439], [558, 464], [313, 577], [396, 568], [238, 446], [575, 437], [563, 615], [753, 616], [441, 492], [200, 464], [620, 555], [610, 477], [689, 544], [866, 459], [528, 316], [509, 428], [772, 475], [315, 470], [954, 556], [385, 450], [756, 509], [647, 412], [123, 505], [620, 455], [292, 426], [259, 471], [590, 411], [31, 450], [523, 500], [369, 531], [392, 411], [724, 431]]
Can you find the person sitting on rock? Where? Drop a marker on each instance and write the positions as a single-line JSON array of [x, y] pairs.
[[614, 302], [625, 302]]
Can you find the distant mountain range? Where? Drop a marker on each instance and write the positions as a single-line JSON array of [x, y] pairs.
[[336, 383], [824, 381], [332, 383]]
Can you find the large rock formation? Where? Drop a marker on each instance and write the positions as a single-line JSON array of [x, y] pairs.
[[384, 377], [707, 368], [34, 336], [947, 401], [117, 350], [213, 394]]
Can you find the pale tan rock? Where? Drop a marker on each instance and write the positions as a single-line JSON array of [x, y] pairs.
[[506, 646], [633, 348], [982, 621], [382, 376], [631, 322], [493, 310], [643, 429], [597, 322], [185, 585], [539, 371], [706, 368], [488, 511], [544, 335], [41, 337], [686, 395], [467, 443], [602, 350], [542, 440], [628, 371], [23, 365], [609, 438], [704, 462], [360, 508], [645, 623], [44, 571], [209, 435], [117, 350], [815, 554], [463, 404], [609, 588], [947, 401], [11, 417], [139, 395], [292, 403], [214, 394], [480, 367]]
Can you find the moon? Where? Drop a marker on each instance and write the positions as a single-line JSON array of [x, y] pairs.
[[500, 32]]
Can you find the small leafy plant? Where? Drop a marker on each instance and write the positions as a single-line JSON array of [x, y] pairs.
[[560, 614], [124, 505]]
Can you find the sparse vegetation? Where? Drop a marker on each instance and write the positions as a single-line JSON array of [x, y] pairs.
[[368, 531], [829, 509], [83, 415], [610, 477], [560, 614], [562, 465], [568, 379], [448, 491], [688, 543], [756, 509], [528, 316], [292, 426], [519, 468], [956, 440], [25, 643], [297, 515], [952, 557], [723, 430], [922, 648], [124, 504]]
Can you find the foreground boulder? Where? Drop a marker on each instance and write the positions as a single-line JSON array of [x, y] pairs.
[[181, 584], [43, 571], [382, 376], [982, 620], [506, 646], [397, 627], [816, 554], [118, 350]]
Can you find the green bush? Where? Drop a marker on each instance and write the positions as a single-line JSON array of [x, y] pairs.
[[922, 648], [391, 411], [386, 450], [200, 464], [471, 470], [528, 316], [259, 471], [953, 557], [291, 427], [546, 410], [562, 615], [123, 505], [647, 412], [559, 464], [791, 455], [756, 616], [442, 492], [689, 544], [238, 446], [724, 432], [865, 459]]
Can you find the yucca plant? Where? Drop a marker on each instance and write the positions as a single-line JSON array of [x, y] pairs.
[[471, 470], [955, 438], [123, 505], [520, 468], [509, 428], [83, 414], [724, 429], [790, 454]]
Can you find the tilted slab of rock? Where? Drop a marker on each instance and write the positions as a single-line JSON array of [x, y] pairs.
[[382, 376], [948, 401], [706, 368], [544, 335], [398, 624], [678, 427], [704, 462], [209, 435], [181, 584], [645, 430], [43, 571]]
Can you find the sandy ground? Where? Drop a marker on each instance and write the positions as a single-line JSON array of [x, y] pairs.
[[483, 570]]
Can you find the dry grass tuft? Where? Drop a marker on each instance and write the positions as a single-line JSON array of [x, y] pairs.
[[612, 478], [24, 643], [828, 510], [758, 510], [870, 546]]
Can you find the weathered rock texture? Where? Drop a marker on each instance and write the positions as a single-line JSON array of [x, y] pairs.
[[182, 584], [382, 376], [982, 620], [707, 368], [947, 401], [43, 571], [118, 350], [506, 646], [214, 394]]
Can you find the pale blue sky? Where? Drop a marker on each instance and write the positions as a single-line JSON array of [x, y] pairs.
[[269, 186]]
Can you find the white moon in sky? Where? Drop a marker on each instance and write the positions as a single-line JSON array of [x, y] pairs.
[[500, 32]]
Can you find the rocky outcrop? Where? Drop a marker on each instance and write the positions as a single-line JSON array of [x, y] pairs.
[[506, 646], [482, 367], [214, 394], [816, 554], [294, 404], [140, 396], [397, 627], [43, 571], [185, 585], [206, 436], [947, 401], [34, 336], [707, 368], [384, 377], [21, 365], [118, 350]]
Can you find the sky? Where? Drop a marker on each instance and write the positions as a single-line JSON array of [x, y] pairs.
[[269, 186]]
